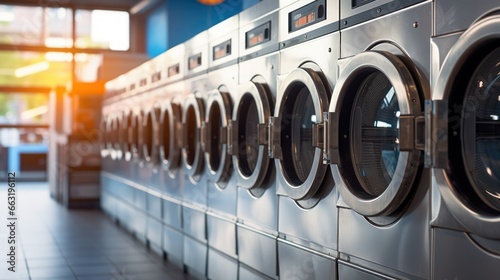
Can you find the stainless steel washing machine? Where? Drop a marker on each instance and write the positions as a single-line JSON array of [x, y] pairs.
[[375, 146], [465, 141], [195, 178], [222, 195], [170, 174], [257, 205], [310, 48]]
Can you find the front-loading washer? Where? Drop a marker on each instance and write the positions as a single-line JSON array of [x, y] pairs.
[[194, 181], [465, 140], [257, 203], [307, 223], [375, 128], [221, 192], [170, 174]]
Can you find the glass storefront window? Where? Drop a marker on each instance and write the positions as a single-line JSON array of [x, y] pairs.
[[102, 29]]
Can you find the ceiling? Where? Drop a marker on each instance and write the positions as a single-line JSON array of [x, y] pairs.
[[91, 4]]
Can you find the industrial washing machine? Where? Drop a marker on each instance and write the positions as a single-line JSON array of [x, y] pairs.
[[465, 141], [194, 181], [257, 204], [375, 142], [171, 174], [310, 47], [221, 192]]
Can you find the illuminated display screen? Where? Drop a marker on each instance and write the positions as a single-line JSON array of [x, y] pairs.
[[194, 61], [222, 50], [173, 70], [258, 35], [307, 15]]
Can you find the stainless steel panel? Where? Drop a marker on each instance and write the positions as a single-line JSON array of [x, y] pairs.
[[221, 235], [197, 45], [457, 15], [154, 206], [222, 32], [348, 272], [195, 256], [221, 266], [332, 15], [255, 16], [173, 244], [267, 66], [315, 228], [172, 213], [403, 245], [138, 223], [457, 256], [257, 250], [140, 199], [194, 223], [397, 28], [245, 273], [296, 263], [154, 231], [257, 11]]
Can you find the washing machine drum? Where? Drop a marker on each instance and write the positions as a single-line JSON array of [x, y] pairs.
[[248, 136], [469, 88], [214, 135], [170, 136], [192, 119], [135, 135], [296, 134], [375, 103]]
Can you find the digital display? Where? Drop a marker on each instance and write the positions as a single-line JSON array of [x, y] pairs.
[[222, 50], [194, 61], [156, 77], [143, 82], [258, 35], [307, 15], [173, 70]]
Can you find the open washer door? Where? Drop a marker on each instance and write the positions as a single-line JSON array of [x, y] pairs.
[[373, 114], [192, 119], [170, 137], [214, 139], [248, 140], [296, 133], [467, 109]]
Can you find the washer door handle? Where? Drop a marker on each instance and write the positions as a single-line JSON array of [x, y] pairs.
[[274, 131]]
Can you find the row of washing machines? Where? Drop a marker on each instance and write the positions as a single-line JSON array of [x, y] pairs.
[[315, 139]]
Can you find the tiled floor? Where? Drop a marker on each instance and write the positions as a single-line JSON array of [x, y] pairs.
[[56, 243]]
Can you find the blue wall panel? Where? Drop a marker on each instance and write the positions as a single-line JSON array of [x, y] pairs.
[[174, 21]]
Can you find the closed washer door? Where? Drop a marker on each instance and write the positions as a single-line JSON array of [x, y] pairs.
[[192, 119], [170, 136]]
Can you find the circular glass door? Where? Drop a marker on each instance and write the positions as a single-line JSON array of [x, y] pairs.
[[375, 90], [470, 83], [304, 98], [170, 142], [135, 135], [216, 123], [249, 147], [149, 136], [192, 123], [111, 136], [117, 148], [127, 135]]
